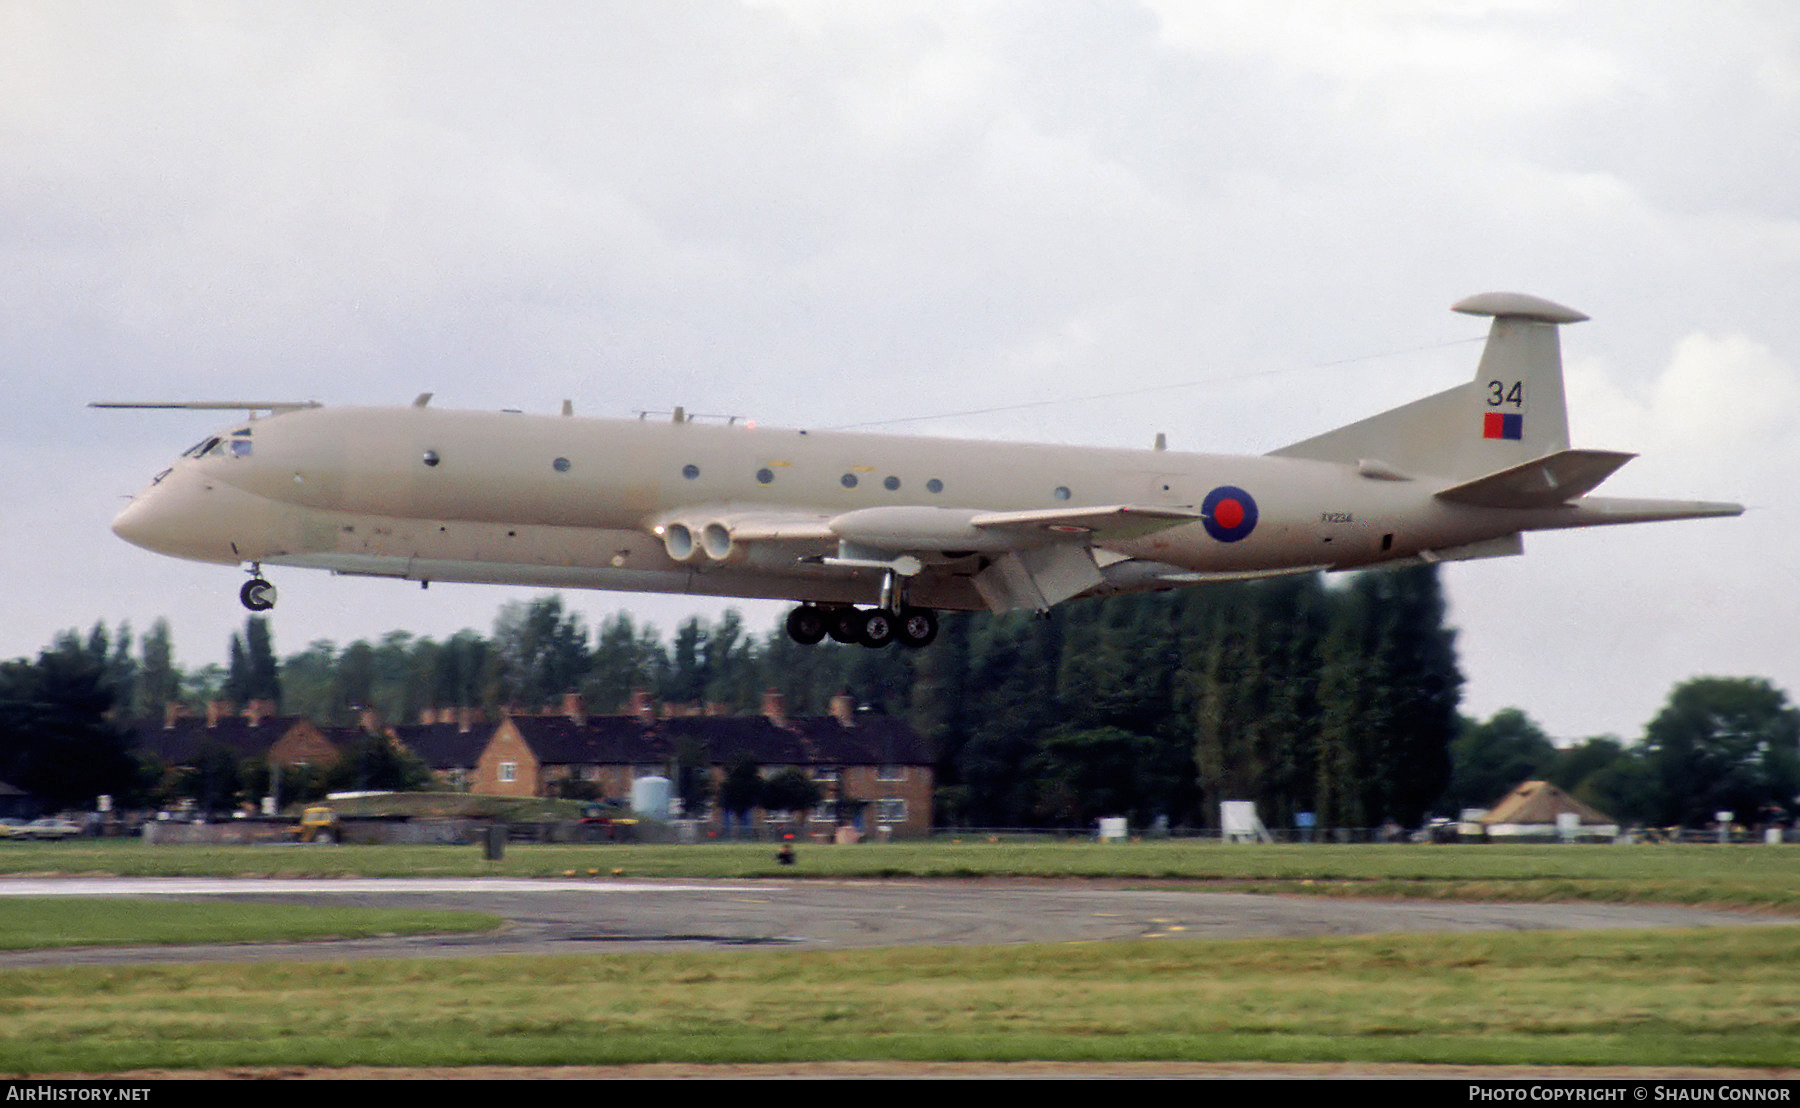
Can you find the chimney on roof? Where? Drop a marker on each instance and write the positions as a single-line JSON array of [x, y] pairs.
[[574, 705], [774, 708], [843, 709], [173, 712], [258, 710], [642, 706], [217, 710]]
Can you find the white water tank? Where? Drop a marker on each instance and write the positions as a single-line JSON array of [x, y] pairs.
[[650, 796]]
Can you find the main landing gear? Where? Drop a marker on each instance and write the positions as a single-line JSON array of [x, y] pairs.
[[258, 594], [890, 619], [871, 627]]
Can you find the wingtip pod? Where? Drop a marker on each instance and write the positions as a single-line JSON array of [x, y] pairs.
[[1517, 305]]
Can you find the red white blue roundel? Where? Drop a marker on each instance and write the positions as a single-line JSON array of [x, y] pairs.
[[1229, 513]]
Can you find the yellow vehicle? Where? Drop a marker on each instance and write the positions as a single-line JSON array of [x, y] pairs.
[[318, 824]]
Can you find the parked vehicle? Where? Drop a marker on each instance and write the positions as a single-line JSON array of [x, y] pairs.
[[51, 828], [318, 824]]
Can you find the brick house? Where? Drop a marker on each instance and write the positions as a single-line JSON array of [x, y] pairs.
[[877, 765], [255, 733], [449, 742]]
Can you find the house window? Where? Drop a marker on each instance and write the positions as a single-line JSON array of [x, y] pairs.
[[891, 810], [891, 773], [509, 771], [825, 776]]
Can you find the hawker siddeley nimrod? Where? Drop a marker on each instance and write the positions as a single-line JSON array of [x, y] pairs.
[[873, 534]]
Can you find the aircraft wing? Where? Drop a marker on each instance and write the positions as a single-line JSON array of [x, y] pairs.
[[1541, 483], [919, 530], [1035, 558]]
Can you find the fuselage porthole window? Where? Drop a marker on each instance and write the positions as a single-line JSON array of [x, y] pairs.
[[1061, 492], [934, 486], [765, 476], [690, 471], [892, 484], [560, 465], [431, 458], [848, 480]]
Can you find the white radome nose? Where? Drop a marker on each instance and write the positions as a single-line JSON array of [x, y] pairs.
[[181, 518], [135, 524]]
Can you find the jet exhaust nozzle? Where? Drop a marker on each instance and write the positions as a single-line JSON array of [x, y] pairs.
[[715, 539], [678, 541]]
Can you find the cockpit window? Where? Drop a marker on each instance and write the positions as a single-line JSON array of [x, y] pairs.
[[237, 446]]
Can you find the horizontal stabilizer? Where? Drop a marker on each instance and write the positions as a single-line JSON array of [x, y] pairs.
[[1540, 483]]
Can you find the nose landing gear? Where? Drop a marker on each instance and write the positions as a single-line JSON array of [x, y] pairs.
[[258, 594]]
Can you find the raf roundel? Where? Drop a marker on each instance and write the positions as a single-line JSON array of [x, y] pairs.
[[1229, 513]]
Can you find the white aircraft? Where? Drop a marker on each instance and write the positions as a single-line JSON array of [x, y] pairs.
[[875, 533]]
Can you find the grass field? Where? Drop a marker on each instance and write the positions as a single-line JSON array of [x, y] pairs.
[[1623, 998], [1717, 997], [39, 923]]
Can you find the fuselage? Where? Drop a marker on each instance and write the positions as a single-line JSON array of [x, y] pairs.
[[557, 501]]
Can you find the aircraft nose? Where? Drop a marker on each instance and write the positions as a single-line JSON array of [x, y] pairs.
[[138, 523]]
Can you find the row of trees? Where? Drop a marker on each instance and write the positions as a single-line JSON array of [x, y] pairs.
[[1718, 745], [1300, 695], [1337, 698]]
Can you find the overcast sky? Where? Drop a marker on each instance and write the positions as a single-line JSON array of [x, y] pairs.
[[835, 213]]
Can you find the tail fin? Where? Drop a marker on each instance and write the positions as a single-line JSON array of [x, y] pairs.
[[1513, 412]]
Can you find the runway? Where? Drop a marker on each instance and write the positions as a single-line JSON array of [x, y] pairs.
[[568, 916]]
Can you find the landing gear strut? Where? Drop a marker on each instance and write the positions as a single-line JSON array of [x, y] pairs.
[[258, 594]]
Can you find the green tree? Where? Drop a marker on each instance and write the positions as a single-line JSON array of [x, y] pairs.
[[1489, 759], [371, 762], [158, 679], [541, 651], [56, 736], [1723, 744], [790, 791], [692, 776], [1103, 771], [252, 672], [1415, 686], [741, 790]]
